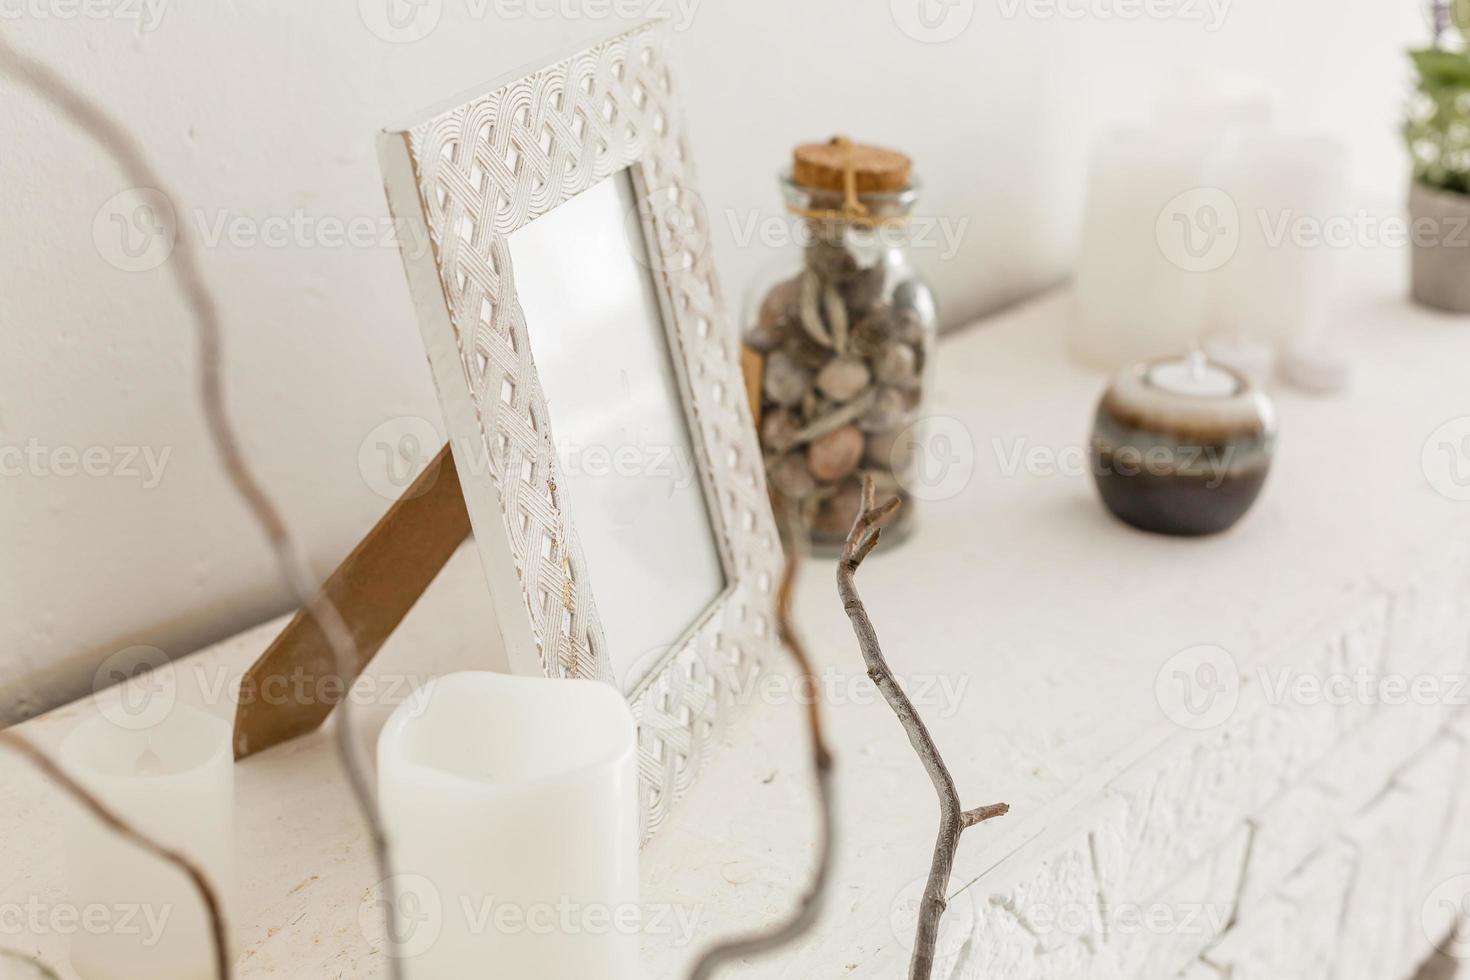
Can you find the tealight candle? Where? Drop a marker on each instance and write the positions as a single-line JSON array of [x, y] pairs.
[[173, 780], [1182, 446], [511, 805]]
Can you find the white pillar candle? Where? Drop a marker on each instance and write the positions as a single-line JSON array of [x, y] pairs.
[[1221, 102], [172, 779], [1140, 293], [1252, 358], [1316, 367], [511, 805], [1289, 193]]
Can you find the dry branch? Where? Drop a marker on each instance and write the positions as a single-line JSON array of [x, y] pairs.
[[39, 970], [118, 825], [115, 140], [953, 820], [809, 907]]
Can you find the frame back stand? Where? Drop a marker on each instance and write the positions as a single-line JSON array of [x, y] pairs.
[[373, 588]]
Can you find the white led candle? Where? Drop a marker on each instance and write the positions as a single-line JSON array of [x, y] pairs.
[[1138, 296], [171, 776], [1289, 193], [1224, 103], [511, 806], [1252, 358]]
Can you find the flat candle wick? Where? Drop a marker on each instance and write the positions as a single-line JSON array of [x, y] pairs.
[[148, 764], [1195, 362]]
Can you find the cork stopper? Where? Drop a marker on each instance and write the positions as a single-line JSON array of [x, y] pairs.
[[823, 166]]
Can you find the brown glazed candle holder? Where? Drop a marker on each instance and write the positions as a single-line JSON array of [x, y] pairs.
[[1182, 446]]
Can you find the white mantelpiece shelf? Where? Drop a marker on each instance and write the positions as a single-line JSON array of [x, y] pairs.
[[1294, 840]]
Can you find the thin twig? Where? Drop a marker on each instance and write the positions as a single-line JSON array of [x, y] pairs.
[[953, 820], [118, 825], [809, 906], [39, 967], [120, 144]]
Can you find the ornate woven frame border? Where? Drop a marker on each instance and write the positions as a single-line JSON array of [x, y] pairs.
[[472, 174]]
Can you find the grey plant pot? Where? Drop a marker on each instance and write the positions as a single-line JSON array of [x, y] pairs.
[[1440, 232]]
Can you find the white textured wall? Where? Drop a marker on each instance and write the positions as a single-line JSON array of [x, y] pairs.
[[267, 110]]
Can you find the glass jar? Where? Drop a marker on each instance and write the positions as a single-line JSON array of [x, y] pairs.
[[844, 328]]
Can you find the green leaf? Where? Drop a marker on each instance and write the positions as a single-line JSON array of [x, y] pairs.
[[1460, 17], [1440, 68]]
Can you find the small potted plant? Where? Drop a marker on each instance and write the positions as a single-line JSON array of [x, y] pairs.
[[1438, 136]]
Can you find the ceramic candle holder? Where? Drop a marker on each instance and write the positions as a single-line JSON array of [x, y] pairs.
[[1182, 446], [172, 779], [511, 806]]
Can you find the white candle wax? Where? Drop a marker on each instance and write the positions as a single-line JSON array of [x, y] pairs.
[[1289, 193], [1252, 358], [1316, 367], [172, 778], [511, 806], [1136, 299], [1220, 102], [1193, 377]]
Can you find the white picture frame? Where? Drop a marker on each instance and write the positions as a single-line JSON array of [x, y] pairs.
[[470, 175]]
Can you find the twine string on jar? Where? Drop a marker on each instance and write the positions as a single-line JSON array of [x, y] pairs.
[[853, 210]]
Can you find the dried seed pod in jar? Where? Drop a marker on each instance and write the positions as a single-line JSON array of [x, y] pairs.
[[779, 428], [896, 364], [862, 290], [790, 477], [889, 411], [772, 323], [805, 351], [830, 260], [835, 515], [786, 381], [844, 378], [835, 454], [871, 333]]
